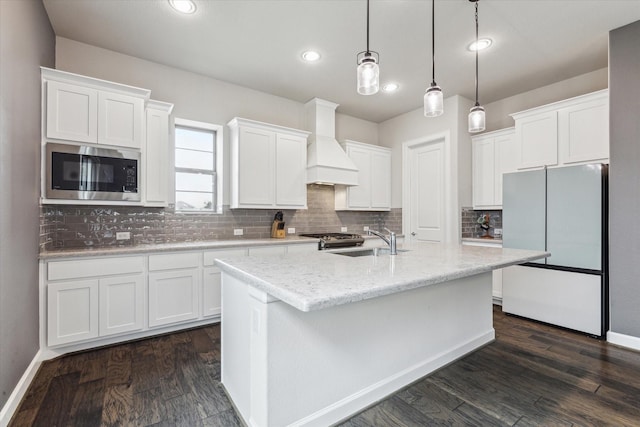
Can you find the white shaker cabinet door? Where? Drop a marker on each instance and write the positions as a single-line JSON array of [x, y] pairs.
[[584, 131], [121, 304], [173, 296], [212, 280], [156, 156], [360, 195], [256, 174], [72, 311], [120, 120], [211, 288], [72, 112], [381, 181], [505, 161], [537, 140], [291, 171], [483, 173]]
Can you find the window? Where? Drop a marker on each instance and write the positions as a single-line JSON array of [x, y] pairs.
[[198, 167]]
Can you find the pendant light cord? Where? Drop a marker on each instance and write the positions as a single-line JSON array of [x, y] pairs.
[[367, 26], [433, 42], [477, 103]]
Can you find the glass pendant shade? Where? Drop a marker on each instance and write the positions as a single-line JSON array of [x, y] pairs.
[[368, 76], [433, 101], [476, 119]]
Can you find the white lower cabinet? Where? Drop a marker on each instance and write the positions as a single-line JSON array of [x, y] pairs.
[[212, 281], [72, 311], [93, 297], [173, 297], [93, 301], [121, 304], [174, 283]]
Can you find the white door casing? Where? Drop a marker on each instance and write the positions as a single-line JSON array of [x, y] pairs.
[[427, 200]]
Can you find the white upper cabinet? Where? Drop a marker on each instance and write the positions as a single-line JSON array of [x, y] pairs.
[[583, 130], [156, 154], [373, 192], [87, 110], [537, 137], [572, 131], [72, 112], [494, 154], [268, 166], [120, 120]]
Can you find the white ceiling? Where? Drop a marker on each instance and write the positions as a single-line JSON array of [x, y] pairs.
[[257, 43]]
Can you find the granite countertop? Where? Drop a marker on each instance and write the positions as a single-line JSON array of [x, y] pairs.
[[171, 247], [320, 280], [482, 240]]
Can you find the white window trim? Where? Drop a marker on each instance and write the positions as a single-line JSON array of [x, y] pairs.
[[218, 129]]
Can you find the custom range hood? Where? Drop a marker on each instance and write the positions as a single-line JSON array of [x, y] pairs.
[[327, 163]]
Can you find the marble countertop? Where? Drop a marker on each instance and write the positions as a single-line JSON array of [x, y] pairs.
[[324, 279], [171, 247]]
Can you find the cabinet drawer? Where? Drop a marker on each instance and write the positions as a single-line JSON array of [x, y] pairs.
[[209, 257], [173, 261], [77, 269]]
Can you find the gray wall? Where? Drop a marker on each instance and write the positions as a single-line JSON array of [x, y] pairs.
[[26, 42], [624, 179], [498, 112]]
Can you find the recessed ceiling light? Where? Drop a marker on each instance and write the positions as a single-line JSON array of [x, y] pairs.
[[310, 56], [480, 45], [183, 6], [390, 87]]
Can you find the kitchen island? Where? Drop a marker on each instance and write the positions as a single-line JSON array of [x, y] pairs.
[[311, 339]]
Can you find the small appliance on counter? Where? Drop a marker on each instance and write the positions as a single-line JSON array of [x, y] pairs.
[[277, 228]]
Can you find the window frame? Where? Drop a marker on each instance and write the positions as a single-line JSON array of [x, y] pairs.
[[218, 166]]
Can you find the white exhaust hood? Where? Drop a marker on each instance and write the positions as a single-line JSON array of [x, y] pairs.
[[327, 163]]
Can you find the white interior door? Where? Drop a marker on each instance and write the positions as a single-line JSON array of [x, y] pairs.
[[424, 191]]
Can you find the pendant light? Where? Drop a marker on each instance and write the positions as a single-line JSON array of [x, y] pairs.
[[433, 98], [368, 70], [476, 114]]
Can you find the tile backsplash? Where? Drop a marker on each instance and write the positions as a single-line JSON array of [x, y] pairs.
[[81, 226], [470, 226]]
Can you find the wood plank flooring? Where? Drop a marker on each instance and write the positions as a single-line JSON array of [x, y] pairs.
[[532, 375]]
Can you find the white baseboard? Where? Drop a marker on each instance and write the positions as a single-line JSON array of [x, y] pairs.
[[20, 390], [624, 340], [364, 398]]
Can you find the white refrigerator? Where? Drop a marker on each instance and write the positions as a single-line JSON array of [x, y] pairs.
[[563, 211]]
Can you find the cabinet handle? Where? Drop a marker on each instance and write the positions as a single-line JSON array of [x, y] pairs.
[[413, 233]]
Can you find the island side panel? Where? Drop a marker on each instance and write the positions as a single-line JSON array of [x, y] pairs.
[[319, 367]]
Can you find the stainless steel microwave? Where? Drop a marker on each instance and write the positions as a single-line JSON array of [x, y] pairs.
[[80, 172]]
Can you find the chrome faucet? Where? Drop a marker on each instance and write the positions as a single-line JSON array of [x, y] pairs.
[[391, 240]]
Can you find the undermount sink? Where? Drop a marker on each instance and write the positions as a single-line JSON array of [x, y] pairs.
[[368, 252]]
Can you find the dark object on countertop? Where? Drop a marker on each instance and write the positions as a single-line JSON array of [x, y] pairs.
[[277, 228]]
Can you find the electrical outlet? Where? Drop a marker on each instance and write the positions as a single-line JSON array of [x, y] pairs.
[[343, 229], [123, 235], [365, 228], [291, 230], [238, 231]]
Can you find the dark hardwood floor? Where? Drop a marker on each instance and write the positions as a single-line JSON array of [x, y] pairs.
[[532, 375]]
